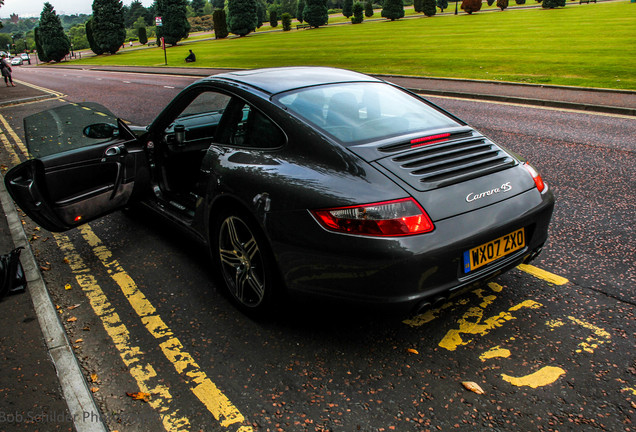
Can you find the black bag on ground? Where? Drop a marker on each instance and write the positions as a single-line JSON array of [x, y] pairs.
[[11, 273]]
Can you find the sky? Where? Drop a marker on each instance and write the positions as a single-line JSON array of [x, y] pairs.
[[33, 8]]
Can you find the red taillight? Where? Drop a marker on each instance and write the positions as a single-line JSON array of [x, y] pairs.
[[535, 176], [431, 139], [390, 218]]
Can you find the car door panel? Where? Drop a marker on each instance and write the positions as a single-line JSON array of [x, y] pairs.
[[65, 190]]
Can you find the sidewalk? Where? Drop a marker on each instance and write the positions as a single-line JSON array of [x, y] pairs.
[[29, 386]]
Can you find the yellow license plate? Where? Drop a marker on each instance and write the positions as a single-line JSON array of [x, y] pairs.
[[493, 250]]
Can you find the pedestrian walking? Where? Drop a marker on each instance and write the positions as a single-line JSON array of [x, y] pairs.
[[6, 71]]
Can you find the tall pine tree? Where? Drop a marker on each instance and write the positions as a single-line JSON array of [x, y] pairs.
[[241, 16], [175, 25], [315, 13], [52, 40], [109, 31], [393, 9]]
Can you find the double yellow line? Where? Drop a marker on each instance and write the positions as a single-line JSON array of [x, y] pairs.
[[141, 368]]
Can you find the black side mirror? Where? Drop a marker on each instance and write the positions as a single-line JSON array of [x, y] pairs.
[[101, 131]]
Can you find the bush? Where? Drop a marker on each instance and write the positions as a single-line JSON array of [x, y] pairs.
[[442, 4], [315, 13], [286, 21], [358, 13], [470, 6], [393, 9], [418, 6], [502, 4], [429, 7], [273, 19], [201, 23], [520, 2]]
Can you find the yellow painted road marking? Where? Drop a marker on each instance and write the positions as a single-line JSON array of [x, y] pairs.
[[143, 372], [208, 393], [495, 352], [472, 323], [542, 274], [543, 377], [592, 342]]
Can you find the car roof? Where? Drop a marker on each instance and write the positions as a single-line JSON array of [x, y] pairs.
[[277, 80]]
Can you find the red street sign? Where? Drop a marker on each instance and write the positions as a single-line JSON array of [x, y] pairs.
[[158, 22]]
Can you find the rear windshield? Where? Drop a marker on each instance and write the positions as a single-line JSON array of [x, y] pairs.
[[355, 112]]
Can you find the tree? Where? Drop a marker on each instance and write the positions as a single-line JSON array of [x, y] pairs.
[[133, 12], [442, 4], [50, 37], [38, 46], [520, 2], [77, 36], [175, 23], [393, 9], [299, 10], [286, 20], [368, 9], [470, 6], [143, 35], [551, 4], [109, 31], [358, 13], [347, 8], [261, 13], [220, 24], [241, 16], [197, 6], [273, 19], [418, 6], [502, 4], [315, 13], [218, 4], [91, 39], [429, 7]]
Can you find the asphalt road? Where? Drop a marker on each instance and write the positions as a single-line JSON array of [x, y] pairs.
[[552, 351]]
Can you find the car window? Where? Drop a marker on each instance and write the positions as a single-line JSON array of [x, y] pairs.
[[251, 128], [356, 112], [206, 102]]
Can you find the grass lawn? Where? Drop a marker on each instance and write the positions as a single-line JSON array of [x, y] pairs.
[[592, 45]]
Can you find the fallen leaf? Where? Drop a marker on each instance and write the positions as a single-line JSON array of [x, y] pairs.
[[37, 228], [67, 287], [473, 387], [74, 306], [139, 396], [79, 340], [45, 268], [86, 328], [412, 351], [71, 319], [94, 389], [94, 378], [66, 261]]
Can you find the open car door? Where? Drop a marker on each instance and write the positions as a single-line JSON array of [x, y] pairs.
[[78, 174]]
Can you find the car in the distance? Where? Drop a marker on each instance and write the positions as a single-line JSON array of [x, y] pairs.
[[306, 180], [16, 61], [25, 58]]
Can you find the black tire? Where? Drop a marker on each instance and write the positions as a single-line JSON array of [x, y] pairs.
[[244, 260]]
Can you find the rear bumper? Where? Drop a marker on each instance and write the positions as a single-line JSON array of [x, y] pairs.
[[404, 270]]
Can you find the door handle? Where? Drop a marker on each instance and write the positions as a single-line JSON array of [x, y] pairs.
[[113, 151]]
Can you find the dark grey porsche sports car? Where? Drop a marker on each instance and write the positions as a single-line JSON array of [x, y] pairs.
[[302, 179]]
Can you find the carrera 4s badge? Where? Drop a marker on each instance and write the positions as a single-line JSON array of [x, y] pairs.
[[475, 196]]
